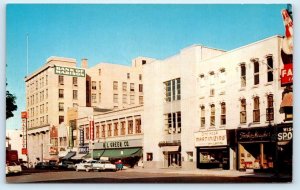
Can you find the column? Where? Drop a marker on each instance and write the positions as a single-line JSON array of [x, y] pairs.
[[262, 155], [133, 124]]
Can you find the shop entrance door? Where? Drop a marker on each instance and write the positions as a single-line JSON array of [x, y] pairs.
[[174, 159]]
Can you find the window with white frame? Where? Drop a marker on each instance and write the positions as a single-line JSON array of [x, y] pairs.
[[202, 123], [94, 98], [270, 108], [141, 100], [212, 115], [94, 87], [124, 99], [131, 87], [115, 85], [222, 75], [115, 98], [172, 90], [243, 75], [256, 110], [243, 113], [256, 71], [124, 86], [173, 122], [223, 113], [270, 68], [131, 99]]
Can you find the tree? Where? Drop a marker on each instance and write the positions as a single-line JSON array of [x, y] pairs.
[[10, 104]]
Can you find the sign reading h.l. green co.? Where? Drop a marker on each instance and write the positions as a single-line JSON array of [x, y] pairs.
[[75, 72]]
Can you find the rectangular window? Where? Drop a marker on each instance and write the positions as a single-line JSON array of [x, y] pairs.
[[75, 105], [212, 92], [172, 90], [115, 85], [109, 134], [144, 62], [46, 79], [131, 99], [212, 77], [138, 128], [173, 122], [103, 131], [270, 109], [99, 85], [141, 100], [124, 86], [243, 114], [149, 156], [115, 98], [61, 93], [222, 75], [94, 98], [128, 75], [60, 106], [94, 87], [60, 80], [99, 97], [46, 93], [61, 119], [123, 128], [131, 87], [270, 68], [243, 75], [256, 110], [99, 72], [140, 76], [223, 113], [256, 72], [130, 127], [75, 94], [202, 125], [116, 129], [124, 100], [75, 81], [212, 115], [140, 87]]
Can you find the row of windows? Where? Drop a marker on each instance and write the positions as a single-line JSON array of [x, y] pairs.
[[127, 74], [35, 111], [256, 71], [37, 97], [124, 99], [243, 112], [74, 95], [37, 83], [212, 76], [124, 86], [115, 129], [38, 121], [61, 80]]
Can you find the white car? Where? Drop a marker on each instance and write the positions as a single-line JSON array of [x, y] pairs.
[[13, 168], [85, 165], [103, 165]]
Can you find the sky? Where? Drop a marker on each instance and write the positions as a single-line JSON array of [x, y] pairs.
[[119, 33]]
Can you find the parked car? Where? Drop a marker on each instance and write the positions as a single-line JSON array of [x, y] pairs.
[[102, 165], [85, 165], [13, 168], [66, 165], [42, 165]]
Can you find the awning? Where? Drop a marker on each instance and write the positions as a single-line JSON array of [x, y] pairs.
[[96, 154], [122, 153], [78, 156], [69, 155], [287, 100], [170, 148]]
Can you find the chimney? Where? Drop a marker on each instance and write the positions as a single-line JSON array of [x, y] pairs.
[[84, 63]]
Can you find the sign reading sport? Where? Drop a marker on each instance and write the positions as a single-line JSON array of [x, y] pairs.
[[69, 71]]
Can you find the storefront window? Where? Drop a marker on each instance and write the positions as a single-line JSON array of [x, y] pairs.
[[149, 156]]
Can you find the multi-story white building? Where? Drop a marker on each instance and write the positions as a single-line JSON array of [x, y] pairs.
[[14, 142], [50, 90], [114, 86], [199, 101]]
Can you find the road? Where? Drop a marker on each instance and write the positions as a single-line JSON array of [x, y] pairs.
[[40, 176]]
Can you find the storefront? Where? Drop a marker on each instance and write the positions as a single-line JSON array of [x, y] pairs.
[[129, 151], [213, 149], [171, 154], [256, 148]]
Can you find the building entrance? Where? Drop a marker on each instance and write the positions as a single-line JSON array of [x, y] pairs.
[[174, 159]]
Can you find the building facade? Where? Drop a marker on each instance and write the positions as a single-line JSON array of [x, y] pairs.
[[204, 107], [50, 90]]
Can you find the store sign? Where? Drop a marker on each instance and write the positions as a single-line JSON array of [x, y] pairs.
[[287, 74], [24, 151], [83, 150], [285, 134], [53, 132], [211, 138], [24, 115], [75, 72], [254, 134], [119, 144], [81, 137]]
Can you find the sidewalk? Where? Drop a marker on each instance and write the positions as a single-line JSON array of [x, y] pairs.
[[205, 172]]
